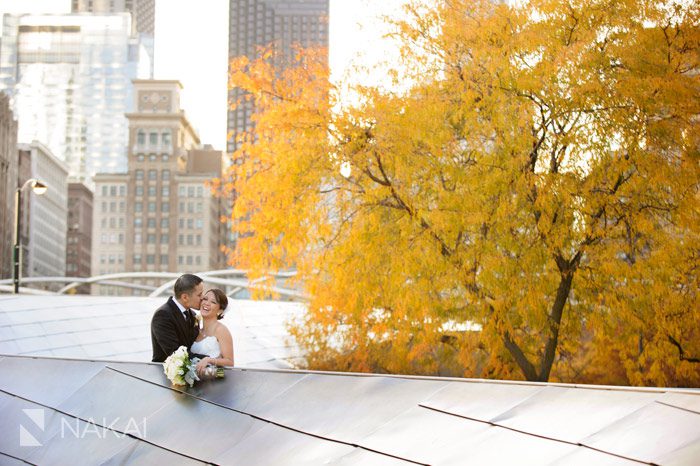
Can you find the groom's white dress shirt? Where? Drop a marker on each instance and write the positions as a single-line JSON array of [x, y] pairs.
[[183, 309]]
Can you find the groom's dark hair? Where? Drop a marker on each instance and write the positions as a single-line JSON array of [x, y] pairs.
[[186, 283]]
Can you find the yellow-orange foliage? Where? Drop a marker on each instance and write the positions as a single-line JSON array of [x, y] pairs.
[[537, 177]]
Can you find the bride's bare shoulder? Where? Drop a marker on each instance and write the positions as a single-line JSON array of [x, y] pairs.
[[222, 330]]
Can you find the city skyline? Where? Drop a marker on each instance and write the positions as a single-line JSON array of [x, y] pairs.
[[355, 36]]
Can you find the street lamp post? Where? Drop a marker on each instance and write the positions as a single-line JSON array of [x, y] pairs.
[[39, 188]]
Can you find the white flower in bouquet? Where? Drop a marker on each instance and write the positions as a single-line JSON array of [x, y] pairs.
[[179, 369]]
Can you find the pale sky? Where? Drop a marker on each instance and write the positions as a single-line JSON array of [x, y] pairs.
[[192, 47]]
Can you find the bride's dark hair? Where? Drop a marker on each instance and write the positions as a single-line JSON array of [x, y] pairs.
[[221, 299]]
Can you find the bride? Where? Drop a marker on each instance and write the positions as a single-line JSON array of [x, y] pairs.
[[214, 338]]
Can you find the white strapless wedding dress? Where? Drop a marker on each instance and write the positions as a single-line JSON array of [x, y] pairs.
[[208, 346]]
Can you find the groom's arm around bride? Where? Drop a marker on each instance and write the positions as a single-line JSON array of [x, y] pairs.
[[174, 324]]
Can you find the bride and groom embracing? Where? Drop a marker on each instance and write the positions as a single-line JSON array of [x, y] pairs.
[[175, 324]]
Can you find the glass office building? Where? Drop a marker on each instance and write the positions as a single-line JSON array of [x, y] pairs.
[[69, 79]]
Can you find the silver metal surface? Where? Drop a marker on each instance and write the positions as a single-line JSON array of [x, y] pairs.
[[571, 415], [294, 417], [648, 434]]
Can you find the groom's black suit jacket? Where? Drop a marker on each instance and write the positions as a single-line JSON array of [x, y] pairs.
[[170, 330]]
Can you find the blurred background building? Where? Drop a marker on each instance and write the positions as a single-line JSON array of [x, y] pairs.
[[261, 23], [69, 79], [8, 184], [160, 215], [79, 234], [143, 15], [44, 217]]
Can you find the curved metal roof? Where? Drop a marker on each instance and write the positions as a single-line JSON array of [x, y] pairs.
[[98, 412]]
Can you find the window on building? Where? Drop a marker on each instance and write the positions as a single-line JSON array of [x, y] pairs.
[[113, 206], [163, 259], [198, 260], [164, 238], [139, 174], [151, 238], [164, 223], [152, 158], [166, 175], [200, 191], [138, 222], [165, 157], [180, 239], [103, 223], [151, 191], [152, 207], [190, 223], [189, 240], [199, 223], [138, 207], [140, 158], [112, 222], [181, 191], [179, 260], [165, 207], [199, 207], [151, 223], [121, 222], [150, 259], [190, 191], [152, 175], [141, 138], [137, 238], [137, 258], [165, 191], [122, 206], [166, 138], [199, 240], [122, 190], [189, 260], [104, 190], [139, 190], [153, 139], [112, 190]]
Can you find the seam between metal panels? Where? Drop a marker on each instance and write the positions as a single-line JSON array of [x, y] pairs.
[[677, 407], [126, 434], [259, 418], [16, 458], [576, 444]]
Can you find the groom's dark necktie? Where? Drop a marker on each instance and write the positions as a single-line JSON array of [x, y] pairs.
[[188, 316]]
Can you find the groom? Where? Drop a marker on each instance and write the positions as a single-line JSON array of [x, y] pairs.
[[173, 324]]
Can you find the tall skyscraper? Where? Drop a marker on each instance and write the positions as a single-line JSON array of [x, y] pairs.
[[143, 15], [69, 79], [281, 23], [159, 216]]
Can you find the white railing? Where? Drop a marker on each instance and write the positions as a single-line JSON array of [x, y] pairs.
[[238, 283]]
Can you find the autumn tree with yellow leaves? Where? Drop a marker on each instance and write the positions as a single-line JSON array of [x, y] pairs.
[[526, 206]]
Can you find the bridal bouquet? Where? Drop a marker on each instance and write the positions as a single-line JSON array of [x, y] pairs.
[[179, 369]]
